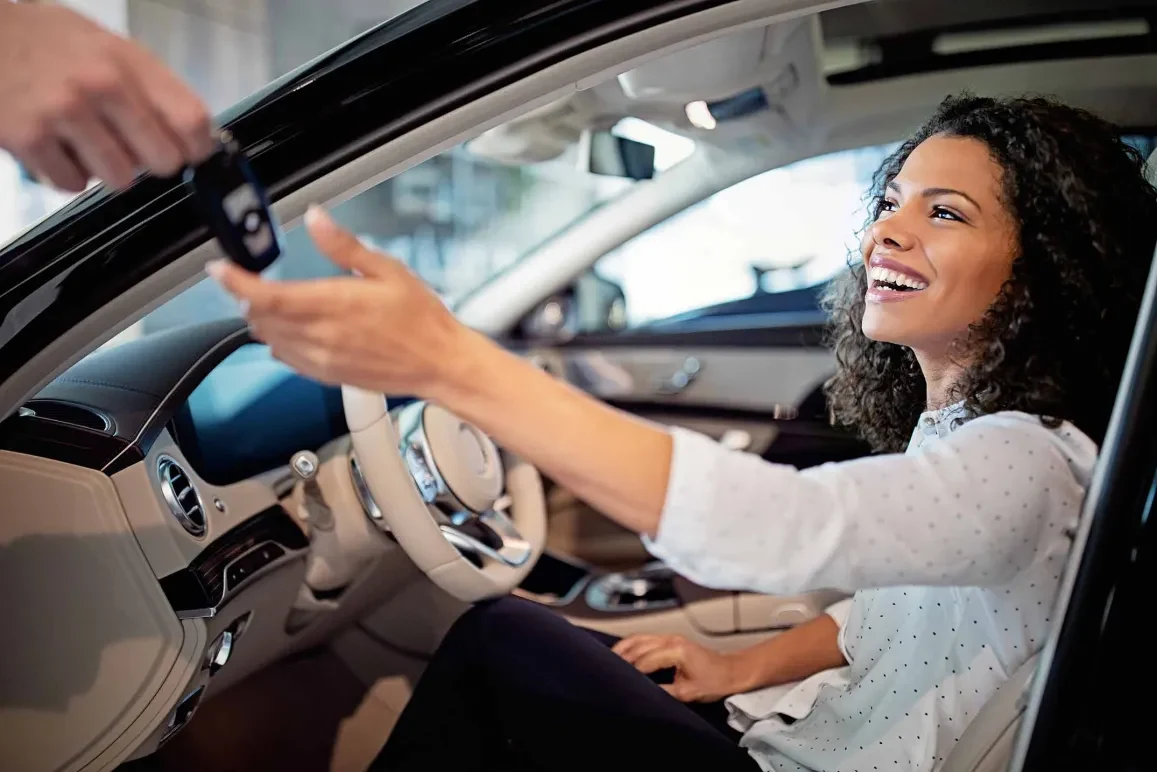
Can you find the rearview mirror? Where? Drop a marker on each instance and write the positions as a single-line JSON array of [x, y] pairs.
[[601, 152]]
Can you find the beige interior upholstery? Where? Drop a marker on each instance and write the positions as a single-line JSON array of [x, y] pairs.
[[986, 745]]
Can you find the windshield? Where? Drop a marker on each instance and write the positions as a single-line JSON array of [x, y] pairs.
[[456, 220]]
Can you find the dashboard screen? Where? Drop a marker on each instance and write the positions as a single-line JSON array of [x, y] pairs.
[[251, 414]]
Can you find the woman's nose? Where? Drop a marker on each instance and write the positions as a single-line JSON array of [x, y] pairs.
[[891, 233]]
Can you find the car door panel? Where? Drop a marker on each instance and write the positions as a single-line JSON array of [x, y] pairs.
[[757, 389]]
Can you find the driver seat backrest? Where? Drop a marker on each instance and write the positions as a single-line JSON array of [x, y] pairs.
[[986, 745]]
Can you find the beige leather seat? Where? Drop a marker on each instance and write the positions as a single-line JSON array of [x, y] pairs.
[[986, 746]]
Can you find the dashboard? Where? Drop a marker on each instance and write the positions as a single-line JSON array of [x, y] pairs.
[[251, 413], [144, 488]]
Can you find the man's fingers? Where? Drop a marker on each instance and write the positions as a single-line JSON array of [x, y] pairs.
[[97, 148], [49, 160], [341, 246], [142, 130], [175, 104]]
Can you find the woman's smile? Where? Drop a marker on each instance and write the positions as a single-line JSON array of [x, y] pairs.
[[890, 281]]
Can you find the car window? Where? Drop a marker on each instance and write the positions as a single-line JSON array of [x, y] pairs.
[[456, 220], [787, 229]]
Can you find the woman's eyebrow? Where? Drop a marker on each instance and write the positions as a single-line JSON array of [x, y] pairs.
[[932, 192]]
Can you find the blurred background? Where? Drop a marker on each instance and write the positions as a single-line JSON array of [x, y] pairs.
[[461, 217]]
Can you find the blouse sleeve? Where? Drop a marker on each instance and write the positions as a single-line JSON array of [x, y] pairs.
[[971, 509]]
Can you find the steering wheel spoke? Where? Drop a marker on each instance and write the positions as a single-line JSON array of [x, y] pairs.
[[446, 495]]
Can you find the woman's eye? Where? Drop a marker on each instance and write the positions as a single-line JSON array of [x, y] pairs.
[[941, 213], [884, 205]]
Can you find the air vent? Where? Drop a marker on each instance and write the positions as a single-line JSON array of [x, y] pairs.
[[68, 413], [181, 496]]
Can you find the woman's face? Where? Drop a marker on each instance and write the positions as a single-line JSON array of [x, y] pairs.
[[941, 248]]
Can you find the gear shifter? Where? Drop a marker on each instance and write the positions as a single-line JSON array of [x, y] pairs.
[[329, 568], [313, 509]]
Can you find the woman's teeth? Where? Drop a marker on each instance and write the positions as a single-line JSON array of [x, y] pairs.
[[901, 282]]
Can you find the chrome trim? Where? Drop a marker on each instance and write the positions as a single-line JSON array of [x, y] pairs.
[[30, 412], [515, 550], [174, 498], [603, 593], [414, 448], [220, 656], [228, 591], [365, 498]]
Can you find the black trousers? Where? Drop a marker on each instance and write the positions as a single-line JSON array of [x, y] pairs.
[[514, 687]]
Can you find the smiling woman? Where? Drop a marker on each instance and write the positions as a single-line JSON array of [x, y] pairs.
[[976, 212], [984, 326]]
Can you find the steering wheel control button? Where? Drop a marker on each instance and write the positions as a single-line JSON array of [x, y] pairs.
[[422, 473], [362, 490], [181, 496]]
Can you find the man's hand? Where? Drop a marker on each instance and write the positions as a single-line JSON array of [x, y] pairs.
[[701, 675], [382, 330], [81, 102]]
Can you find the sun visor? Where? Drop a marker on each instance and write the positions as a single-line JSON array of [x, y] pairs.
[[713, 70], [765, 69]]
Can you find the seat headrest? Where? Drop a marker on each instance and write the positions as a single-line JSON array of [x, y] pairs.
[[1151, 169]]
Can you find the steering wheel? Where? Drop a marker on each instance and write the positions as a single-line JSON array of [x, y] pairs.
[[438, 482]]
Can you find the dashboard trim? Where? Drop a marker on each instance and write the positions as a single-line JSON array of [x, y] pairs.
[[202, 589], [176, 395]]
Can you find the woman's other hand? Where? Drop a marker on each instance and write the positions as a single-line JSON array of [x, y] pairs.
[[382, 330], [701, 675]]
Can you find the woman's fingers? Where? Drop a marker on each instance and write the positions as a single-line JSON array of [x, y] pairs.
[[634, 646], [342, 247], [665, 656]]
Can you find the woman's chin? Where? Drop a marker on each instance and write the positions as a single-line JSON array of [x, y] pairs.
[[884, 330]]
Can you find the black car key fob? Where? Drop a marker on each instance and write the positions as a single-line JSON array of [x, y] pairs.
[[236, 206]]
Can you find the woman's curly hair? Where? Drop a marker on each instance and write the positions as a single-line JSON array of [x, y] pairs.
[[1054, 341]]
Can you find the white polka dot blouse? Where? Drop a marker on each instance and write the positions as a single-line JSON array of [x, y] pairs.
[[954, 551]]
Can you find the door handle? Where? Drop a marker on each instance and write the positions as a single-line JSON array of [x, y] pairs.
[[679, 380]]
